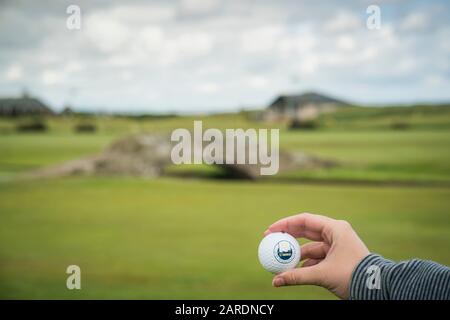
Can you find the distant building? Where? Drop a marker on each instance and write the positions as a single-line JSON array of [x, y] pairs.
[[25, 105], [303, 107]]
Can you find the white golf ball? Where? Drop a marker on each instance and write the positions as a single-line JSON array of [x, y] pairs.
[[279, 252]]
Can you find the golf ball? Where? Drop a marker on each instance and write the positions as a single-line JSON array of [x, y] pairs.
[[279, 252]]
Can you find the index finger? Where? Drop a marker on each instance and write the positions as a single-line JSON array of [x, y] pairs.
[[305, 225]]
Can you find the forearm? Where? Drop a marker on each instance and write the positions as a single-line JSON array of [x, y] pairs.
[[378, 278]]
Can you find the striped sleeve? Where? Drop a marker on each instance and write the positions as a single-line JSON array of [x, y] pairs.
[[376, 278]]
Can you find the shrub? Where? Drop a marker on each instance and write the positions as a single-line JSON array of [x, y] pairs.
[[85, 128], [32, 126], [400, 125], [304, 125]]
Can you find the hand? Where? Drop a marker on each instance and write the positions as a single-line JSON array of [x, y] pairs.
[[330, 261]]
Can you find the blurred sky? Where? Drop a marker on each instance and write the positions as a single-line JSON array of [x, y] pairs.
[[217, 55]]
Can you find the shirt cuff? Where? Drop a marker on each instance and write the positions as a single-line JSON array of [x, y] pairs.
[[370, 278]]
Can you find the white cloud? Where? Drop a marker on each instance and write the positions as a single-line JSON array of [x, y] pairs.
[[309, 64], [142, 13], [193, 43], [150, 38], [73, 66], [186, 52], [256, 81], [369, 53], [261, 39], [14, 72], [197, 7], [415, 21], [106, 33], [207, 88], [434, 80], [443, 37], [297, 43], [345, 42], [51, 77], [343, 21], [407, 65], [126, 75]]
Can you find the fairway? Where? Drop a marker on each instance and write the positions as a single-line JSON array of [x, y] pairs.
[[415, 156], [168, 238], [374, 156], [197, 238]]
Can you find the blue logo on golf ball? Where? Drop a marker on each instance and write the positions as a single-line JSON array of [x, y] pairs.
[[284, 251]]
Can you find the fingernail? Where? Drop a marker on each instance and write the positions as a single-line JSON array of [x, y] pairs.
[[278, 282]]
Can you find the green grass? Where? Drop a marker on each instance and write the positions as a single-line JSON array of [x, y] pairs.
[[107, 125], [360, 139], [21, 152], [420, 155], [181, 238], [170, 238], [417, 156], [386, 118]]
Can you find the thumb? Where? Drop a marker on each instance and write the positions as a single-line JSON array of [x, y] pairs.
[[302, 275]]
